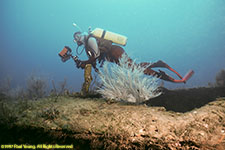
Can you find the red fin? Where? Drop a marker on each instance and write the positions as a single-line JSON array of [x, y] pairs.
[[188, 75]]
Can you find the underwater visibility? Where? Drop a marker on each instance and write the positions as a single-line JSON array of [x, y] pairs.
[[185, 35], [116, 74]]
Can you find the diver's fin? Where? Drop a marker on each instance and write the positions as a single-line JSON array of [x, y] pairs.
[[188, 75]]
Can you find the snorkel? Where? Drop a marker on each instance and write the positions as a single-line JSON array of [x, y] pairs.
[[76, 26]]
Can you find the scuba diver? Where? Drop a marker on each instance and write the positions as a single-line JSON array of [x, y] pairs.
[[94, 48], [98, 46]]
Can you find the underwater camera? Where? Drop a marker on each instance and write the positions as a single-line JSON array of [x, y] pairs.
[[65, 54]]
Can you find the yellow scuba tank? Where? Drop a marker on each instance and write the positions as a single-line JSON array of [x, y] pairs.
[[107, 35]]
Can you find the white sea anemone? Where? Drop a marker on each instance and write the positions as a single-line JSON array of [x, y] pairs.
[[127, 82]]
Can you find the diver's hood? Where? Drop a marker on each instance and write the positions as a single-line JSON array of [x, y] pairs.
[[79, 37]]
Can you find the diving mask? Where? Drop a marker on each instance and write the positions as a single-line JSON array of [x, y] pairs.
[[78, 38]]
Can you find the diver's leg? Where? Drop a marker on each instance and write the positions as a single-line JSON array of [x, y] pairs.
[[87, 79], [162, 75], [164, 65]]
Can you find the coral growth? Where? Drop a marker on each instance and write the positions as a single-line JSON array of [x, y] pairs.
[[220, 78], [5, 87], [36, 87], [127, 82]]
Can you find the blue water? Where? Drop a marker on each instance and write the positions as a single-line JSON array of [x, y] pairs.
[[186, 34]]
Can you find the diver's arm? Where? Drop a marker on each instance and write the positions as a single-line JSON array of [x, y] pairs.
[[91, 60]]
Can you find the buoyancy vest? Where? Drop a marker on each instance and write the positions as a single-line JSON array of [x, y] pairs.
[[103, 44]]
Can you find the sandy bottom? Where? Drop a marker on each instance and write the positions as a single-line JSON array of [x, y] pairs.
[[94, 123]]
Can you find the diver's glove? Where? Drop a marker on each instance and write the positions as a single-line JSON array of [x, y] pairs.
[[77, 61], [80, 64]]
